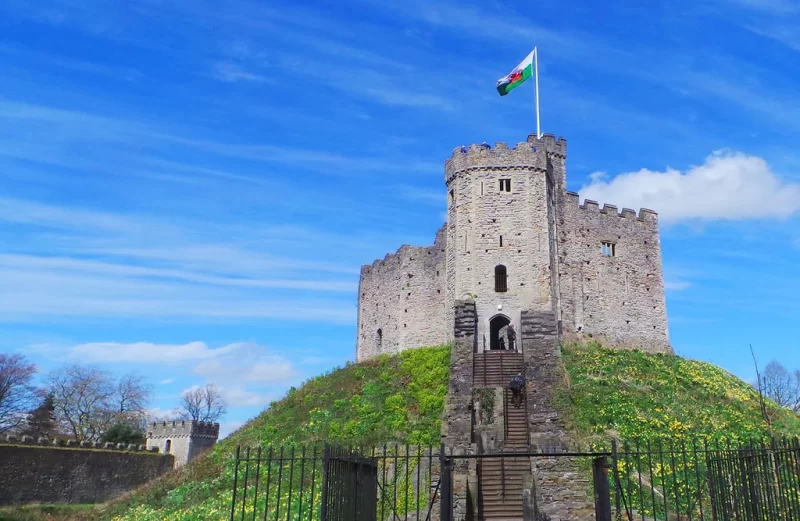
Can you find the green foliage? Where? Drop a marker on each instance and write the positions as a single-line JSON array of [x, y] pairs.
[[386, 399], [123, 433], [484, 397], [626, 394], [631, 394]]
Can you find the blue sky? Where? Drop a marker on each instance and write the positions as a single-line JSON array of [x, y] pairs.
[[189, 188]]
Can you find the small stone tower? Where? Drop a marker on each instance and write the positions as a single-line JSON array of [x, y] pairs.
[[184, 439]]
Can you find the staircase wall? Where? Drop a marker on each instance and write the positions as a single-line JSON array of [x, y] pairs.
[[563, 489], [457, 420]]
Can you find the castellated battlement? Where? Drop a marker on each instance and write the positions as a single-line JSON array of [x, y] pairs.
[[645, 215], [518, 242], [529, 155], [183, 428]]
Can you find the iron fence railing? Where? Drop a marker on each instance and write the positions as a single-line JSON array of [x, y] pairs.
[[667, 480]]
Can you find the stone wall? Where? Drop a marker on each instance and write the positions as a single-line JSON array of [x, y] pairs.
[[509, 206], [457, 417], [561, 487], [185, 439], [402, 301], [620, 298], [495, 207], [72, 475]]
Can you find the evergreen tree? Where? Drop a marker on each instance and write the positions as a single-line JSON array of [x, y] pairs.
[[123, 433], [42, 420]]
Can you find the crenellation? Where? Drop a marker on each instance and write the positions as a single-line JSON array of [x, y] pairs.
[[598, 270], [186, 439], [554, 146], [522, 156]]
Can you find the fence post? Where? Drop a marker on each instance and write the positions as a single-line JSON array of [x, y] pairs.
[[602, 492], [324, 505], [617, 498], [447, 487], [235, 479]]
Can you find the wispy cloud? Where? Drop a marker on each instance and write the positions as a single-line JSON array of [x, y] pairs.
[[233, 72]]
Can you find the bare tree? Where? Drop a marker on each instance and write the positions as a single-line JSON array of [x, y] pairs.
[[83, 397], [203, 404], [781, 386], [131, 399], [17, 395]]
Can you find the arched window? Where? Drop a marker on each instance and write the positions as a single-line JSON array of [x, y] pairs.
[[167, 446], [379, 338], [500, 278]]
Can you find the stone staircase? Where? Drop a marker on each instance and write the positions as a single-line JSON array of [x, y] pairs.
[[501, 479]]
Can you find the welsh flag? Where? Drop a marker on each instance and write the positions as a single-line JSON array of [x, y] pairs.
[[521, 72]]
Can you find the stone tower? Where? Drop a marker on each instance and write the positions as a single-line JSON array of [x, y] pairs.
[[185, 439], [516, 240], [500, 233]]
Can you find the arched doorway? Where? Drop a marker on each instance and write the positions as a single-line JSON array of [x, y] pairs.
[[497, 338]]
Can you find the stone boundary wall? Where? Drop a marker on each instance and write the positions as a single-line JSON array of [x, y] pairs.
[[403, 296], [72, 444], [617, 299], [72, 474]]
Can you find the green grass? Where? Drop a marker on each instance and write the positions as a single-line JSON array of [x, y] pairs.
[[386, 399], [630, 394], [606, 393]]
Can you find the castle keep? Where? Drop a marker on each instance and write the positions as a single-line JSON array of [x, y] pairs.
[[516, 240]]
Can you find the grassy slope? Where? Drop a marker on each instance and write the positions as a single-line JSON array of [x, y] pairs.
[[386, 399], [401, 399], [630, 394]]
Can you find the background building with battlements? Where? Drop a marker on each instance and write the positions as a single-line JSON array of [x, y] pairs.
[[184, 439], [517, 240]]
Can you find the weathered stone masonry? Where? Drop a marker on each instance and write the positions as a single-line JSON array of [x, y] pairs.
[[597, 270], [184, 439], [76, 473]]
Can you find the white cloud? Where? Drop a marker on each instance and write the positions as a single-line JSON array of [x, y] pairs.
[[728, 186], [146, 352], [676, 285], [227, 428], [159, 414], [238, 396], [166, 381], [247, 363], [232, 72]]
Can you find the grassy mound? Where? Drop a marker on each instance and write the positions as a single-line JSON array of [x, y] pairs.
[[630, 394], [399, 398], [607, 392]]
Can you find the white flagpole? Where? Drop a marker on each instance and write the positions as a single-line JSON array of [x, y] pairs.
[[536, 73]]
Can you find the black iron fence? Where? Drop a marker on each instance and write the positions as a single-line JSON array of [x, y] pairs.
[[646, 481], [331, 484], [718, 481]]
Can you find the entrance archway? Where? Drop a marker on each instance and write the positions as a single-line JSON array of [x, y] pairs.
[[496, 326]]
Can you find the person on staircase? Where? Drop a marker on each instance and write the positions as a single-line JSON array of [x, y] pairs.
[[517, 385], [512, 338]]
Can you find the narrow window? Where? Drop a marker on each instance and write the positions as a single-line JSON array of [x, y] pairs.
[[501, 241], [608, 249], [482, 193], [167, 446], [452, 196], [379, 338], [500, 279], [505, 185]]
